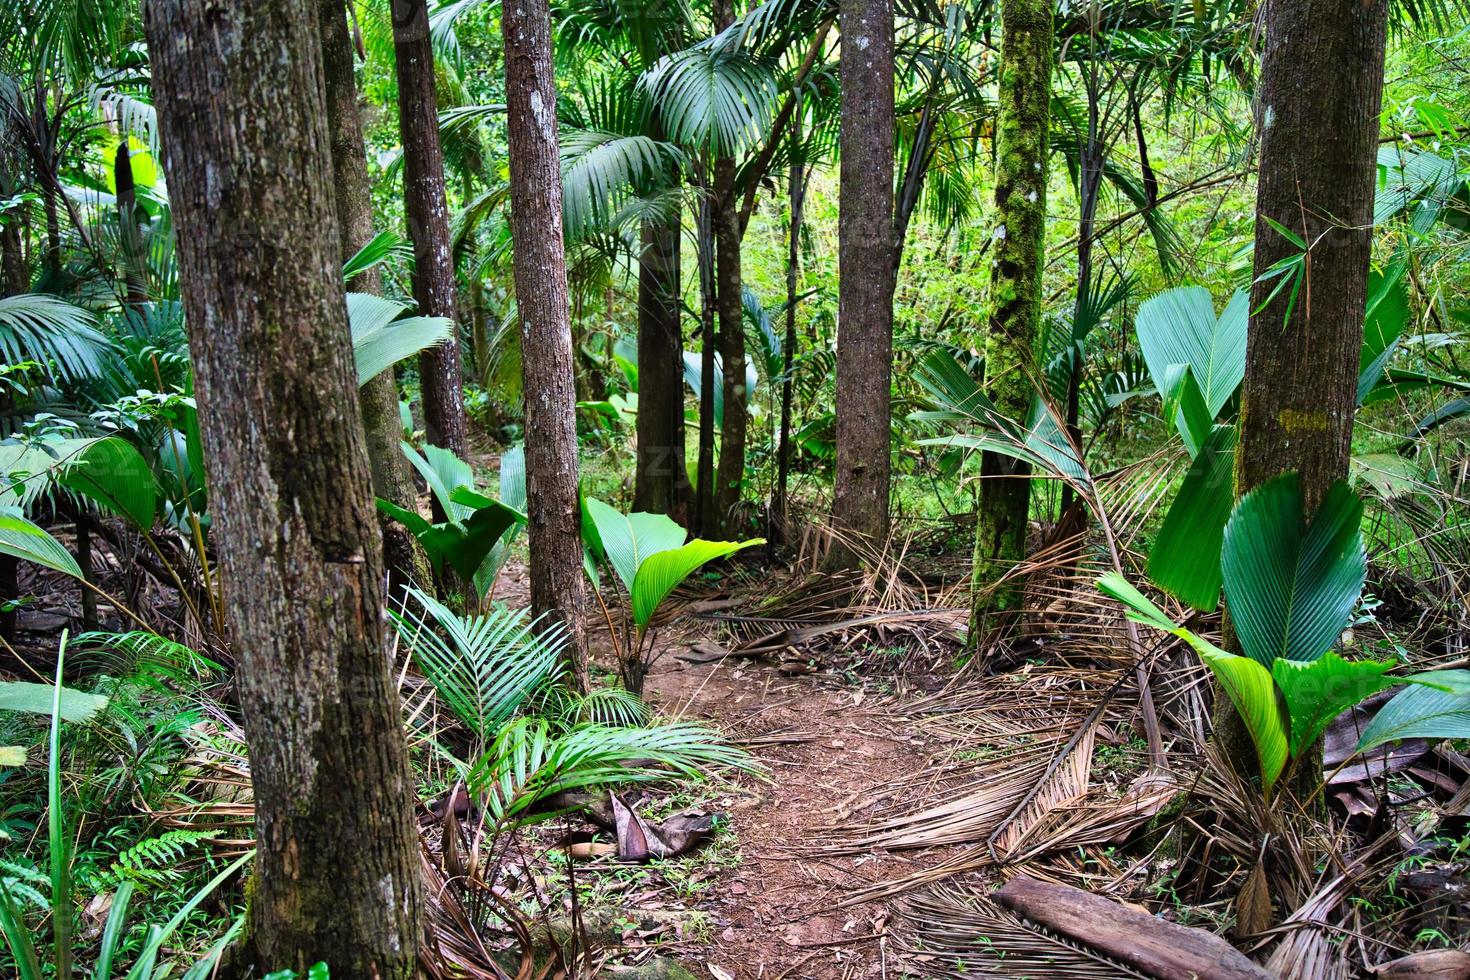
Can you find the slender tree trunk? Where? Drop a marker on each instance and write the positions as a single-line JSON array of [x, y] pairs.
[[866, 278], [730, 478], [392, 475], [1089, 181], [1013, 313], [15, 278], [661, 484], [129, 227], [546, 333], [336, 876], [704, 481], [796, 193], [1317, 107], [427, 210]]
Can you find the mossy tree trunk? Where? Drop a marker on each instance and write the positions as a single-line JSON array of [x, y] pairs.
[[1317, 108], [403, 556], [427, 209], [1013, 301], [240, 99], [548, 373], [865, 282]]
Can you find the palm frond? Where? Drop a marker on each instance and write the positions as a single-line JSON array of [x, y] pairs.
[[48, 329]]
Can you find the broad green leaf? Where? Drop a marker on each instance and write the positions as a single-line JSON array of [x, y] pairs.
[[1318, 691], [1436, 705], [1253, 692], [1184, 406], [443, 471], [1185, 560], [113, 474], [1141, 610], [662, 572], [380, 339], [22, 539], [12, 755], [1179, 326], [1290, 587], [37, 699], [1386, 316], [416, 523], [629, 539]]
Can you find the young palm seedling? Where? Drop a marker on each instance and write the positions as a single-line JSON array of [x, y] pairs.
[[650, 558]]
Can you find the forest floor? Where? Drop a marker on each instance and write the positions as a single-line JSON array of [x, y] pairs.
[[777, 913]]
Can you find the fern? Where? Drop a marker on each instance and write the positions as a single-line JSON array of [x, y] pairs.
[[153, 861], [23, 883]]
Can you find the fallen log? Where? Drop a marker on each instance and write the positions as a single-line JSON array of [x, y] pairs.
[[1429, 964], [1160, 948]]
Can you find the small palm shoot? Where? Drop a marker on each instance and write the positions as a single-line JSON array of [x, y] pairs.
[[650, 558]]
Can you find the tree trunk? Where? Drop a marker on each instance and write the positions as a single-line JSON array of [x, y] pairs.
[[129, 228], [730, 478], [660, 482], [704, 480], [392, 475], [866, 279], [427, 210], [336, 876], [1013, 314], [546, 334], [796, 192], [1091, 160], [1318, 100]]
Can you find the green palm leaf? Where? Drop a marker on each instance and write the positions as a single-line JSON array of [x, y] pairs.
[[380, 339], [663, 572], [1319, 691], [1185, 560], [1179, 326], [627, 540], [1436, 706], [1291, 587], [35, 326], [115, 475], [1253, 692], [30, 542]]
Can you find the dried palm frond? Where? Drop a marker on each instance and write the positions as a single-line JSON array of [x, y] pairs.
[[957, 932]]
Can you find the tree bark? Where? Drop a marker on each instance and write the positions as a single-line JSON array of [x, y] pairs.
[[796, 193], [866, 279], [730, 477], [704, 480], [547, 369], [1317, 108], [661, 485], [129, 228], [337, 871], [392, 475], [1013, 313], [427, 210]]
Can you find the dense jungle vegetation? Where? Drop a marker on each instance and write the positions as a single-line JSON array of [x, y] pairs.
[[788, 488]]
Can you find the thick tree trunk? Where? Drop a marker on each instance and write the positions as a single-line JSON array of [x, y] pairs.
[[1013, 314], [866, 279], [546, 333], [796, 193], [661, 484], [392, 475], [1317, 107], [704, 479], [337, 872], [427, 210]]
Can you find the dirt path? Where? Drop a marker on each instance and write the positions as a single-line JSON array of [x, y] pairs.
[[775, 914]]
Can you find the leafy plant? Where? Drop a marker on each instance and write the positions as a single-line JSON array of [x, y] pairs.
[[475, 524], [1290, 589], [650, 557]]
